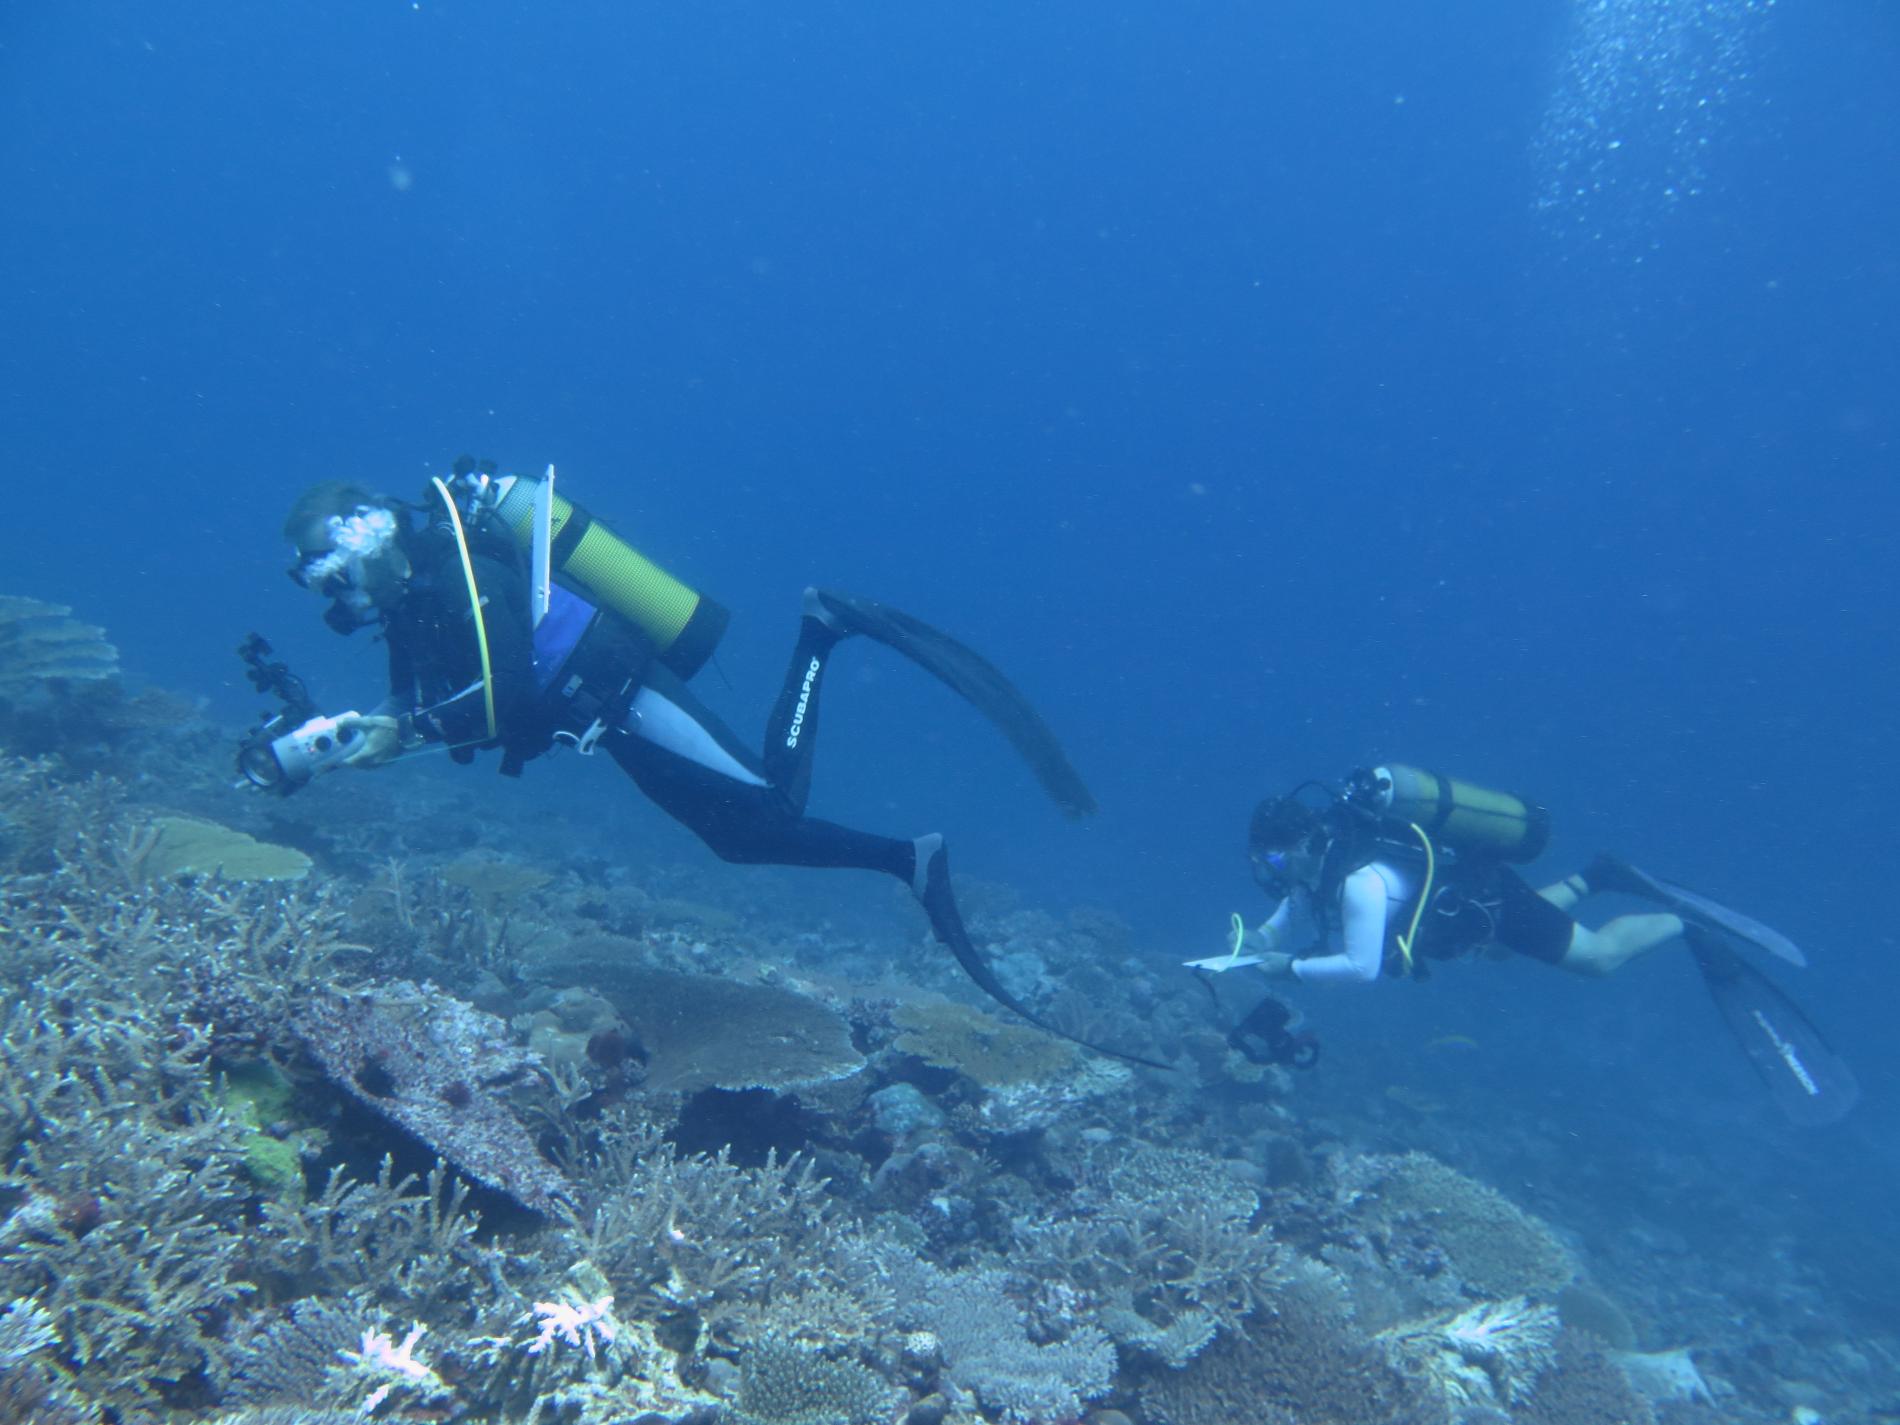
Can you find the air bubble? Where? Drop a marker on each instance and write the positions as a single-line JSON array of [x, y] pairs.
[[1659, 74]]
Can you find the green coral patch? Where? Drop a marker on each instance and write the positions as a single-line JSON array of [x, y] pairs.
[[257, 1095], [187, 846], [992, 1051]]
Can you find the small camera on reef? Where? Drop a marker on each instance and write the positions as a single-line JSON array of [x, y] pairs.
[[288, 760]]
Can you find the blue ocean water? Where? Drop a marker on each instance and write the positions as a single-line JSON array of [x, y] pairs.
[[1506, 387]]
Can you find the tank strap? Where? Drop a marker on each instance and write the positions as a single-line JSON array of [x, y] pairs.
[[571, 533]]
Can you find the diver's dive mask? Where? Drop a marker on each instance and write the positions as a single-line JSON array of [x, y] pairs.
[[353, 566], [1273, 872]]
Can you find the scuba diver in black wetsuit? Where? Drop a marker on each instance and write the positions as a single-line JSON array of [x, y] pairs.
[[1404, 866], [516, 622]]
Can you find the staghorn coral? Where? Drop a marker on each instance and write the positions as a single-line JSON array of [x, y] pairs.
[[435, 1066], [405, 1245], [42, 643], [1489, 1355], [697, 1234], [985, 1343], [33, 1386], [1495, 1248], [574, 1357], [290, 1352], [128, 1238], [231, 957], [43, 815], [1163, 1240], [784, 1382]]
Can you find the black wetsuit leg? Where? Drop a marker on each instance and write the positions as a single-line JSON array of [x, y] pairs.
[[688, 761], [791, 732]]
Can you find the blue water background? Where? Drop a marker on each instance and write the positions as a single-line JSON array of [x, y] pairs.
[[1211, 366]]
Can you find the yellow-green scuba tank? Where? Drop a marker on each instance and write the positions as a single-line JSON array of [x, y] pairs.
[[1469, 819], [590, 559]]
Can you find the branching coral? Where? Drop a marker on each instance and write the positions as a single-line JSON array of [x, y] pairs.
[[1164, 1240], [987, 1350], [1491, 1354], [697, 1233], [407, 1245], [127, 1238], [783, 1382], [574, 1356], [33, 1384]]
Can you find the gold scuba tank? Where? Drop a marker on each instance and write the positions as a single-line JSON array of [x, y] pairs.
[[1468, 818], [599, 565]]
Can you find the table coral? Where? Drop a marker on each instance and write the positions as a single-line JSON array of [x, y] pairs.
[[436, 1067]]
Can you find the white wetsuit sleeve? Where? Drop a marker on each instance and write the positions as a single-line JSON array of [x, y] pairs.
[[1362, 903], [1273, 929]]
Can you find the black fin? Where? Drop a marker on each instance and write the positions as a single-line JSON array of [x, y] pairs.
[[1692, 906], [975, 679], [1809, 1081], [947, 924]]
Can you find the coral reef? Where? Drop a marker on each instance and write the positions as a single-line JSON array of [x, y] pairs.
[[996, 1053], [987, 1351], [1293, 1368], [1164, 1241], [1489, 1355], [437, 1067], [266, 1146], [1494, 1247], [712, 1031], [187, 846], [787, 1383], [42, 643], [1583, 1387]]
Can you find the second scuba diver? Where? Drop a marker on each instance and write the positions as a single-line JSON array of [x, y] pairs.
[[1404, 866], [517, 622]]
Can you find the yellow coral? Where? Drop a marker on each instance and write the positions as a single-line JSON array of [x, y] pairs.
[[187, 846], [992, 1051]]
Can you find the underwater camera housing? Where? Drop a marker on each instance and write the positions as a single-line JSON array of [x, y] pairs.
[[286, 751], [287, 761]]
